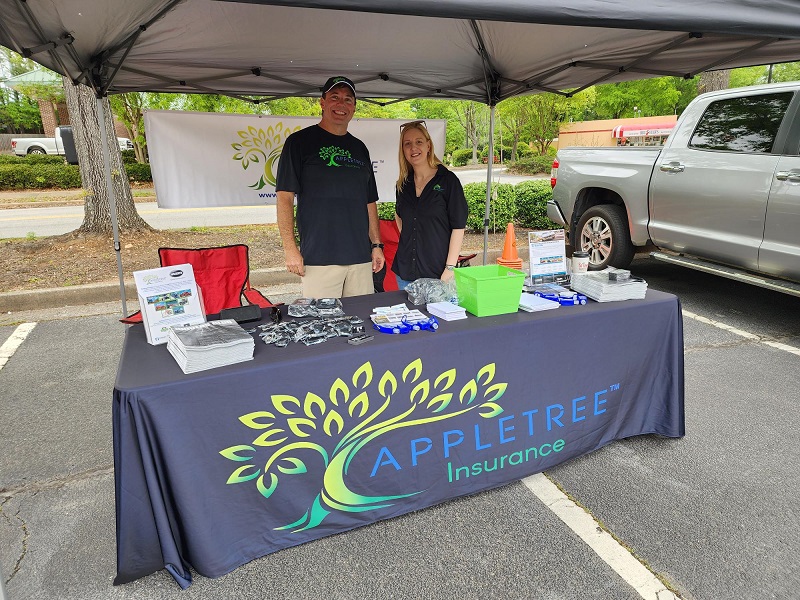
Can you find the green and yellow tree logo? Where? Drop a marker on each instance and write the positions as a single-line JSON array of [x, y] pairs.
[[259, 146], [331, 153], [350, 416]]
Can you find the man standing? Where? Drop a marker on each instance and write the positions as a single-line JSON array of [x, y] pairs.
[[331, 174]]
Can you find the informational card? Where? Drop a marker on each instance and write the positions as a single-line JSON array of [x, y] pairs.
[[168, 297], [394, 315], [547, 255]]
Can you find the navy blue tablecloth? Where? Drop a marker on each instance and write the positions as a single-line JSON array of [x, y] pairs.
[[217, 468]]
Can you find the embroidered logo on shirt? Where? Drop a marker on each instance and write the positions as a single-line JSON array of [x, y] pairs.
[[337, 157], [438, 188]]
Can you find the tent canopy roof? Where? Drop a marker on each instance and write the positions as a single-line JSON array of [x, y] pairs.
[[463, 49]]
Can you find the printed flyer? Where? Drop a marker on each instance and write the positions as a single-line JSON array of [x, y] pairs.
[[547, 255], [168, 297]]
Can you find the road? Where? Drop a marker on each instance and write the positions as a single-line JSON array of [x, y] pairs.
[[714, 514], [42, 222]]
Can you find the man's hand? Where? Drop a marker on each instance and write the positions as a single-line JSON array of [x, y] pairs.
[[294, 262], [378, 260], [447, 275]]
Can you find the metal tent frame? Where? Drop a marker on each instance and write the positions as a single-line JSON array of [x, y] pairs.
[[260, 50]]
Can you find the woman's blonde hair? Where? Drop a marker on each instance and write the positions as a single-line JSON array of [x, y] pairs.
[[405, 167]]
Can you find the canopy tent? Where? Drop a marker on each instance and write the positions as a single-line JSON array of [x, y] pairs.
[[455, 49], [465, 49]]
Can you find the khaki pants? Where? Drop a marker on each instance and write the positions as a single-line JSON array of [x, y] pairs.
[[337, 281]]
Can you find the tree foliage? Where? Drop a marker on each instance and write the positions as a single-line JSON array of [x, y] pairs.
[[18, 113], [474, 120]]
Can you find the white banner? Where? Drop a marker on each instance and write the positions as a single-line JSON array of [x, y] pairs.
[[219, 159]]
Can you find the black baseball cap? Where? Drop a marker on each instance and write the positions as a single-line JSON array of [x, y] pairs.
[[338, 80]]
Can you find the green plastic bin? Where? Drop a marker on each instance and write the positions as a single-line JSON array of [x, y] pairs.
[[489, 289]]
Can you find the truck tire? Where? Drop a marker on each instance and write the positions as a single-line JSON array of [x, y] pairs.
[[603, 233], [36, 150]]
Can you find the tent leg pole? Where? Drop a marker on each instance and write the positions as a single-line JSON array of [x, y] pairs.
[[112, 200], [490, 161], [2, 586]]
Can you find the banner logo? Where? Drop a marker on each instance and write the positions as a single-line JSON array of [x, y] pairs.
[[343, 420], [259, 146]]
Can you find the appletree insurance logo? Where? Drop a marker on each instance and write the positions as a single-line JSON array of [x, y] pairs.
[[332, 154], [346, 418], [261, 146]]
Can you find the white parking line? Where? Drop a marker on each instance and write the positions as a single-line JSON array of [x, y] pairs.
[[741, 333], [14, 341], [606, 547]]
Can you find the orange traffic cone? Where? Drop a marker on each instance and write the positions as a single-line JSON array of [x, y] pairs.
[[510, 257]]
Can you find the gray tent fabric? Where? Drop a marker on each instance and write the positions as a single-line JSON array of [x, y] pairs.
[[462, 49]]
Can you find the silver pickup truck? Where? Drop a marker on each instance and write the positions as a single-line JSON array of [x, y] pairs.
[[722, 195], [52, 145]]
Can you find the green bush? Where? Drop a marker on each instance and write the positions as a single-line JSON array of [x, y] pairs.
[[139, 172], [506, 150], [386, 211], [462, 157], [128, 156], [523, 151], [525, 205], [44, 159], [31, 159], [531, 199], [533, 165], [501, 208], [21, 176]]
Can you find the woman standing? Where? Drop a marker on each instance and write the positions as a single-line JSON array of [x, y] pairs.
[[431, 211]]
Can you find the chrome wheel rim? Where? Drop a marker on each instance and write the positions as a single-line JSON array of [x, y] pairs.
[[596, 240]]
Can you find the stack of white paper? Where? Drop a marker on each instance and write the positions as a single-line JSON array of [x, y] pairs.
[[532, 303], [209, 345], [597, 286], [446, 310]]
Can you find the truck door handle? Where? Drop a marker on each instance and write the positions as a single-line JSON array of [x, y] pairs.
[[793, 175], [672, 167]]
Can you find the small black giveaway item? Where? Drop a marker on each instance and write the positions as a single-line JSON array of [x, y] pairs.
[[242, 314]]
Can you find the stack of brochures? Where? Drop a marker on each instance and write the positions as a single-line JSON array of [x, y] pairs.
[[533, 303], [446, 310], [209, 345], [602, 287]]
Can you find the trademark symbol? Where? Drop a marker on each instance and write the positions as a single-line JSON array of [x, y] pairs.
[[614, 386]]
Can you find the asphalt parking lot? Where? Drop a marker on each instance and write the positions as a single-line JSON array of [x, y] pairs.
[[713, 515]]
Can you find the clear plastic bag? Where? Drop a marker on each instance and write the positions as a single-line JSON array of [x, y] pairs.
[[426, 290]]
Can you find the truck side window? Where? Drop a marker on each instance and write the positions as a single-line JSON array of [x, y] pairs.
[[746, 124]]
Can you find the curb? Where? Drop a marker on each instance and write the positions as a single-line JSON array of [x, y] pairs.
[[93, 293]]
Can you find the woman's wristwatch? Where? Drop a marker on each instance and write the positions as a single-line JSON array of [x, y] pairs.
[[377, 246]]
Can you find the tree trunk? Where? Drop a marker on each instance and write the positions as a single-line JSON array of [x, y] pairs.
[[82, 106], [711, 81]]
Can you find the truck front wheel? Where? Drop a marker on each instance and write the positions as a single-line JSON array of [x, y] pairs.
[[603, 233], [36, 151]]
